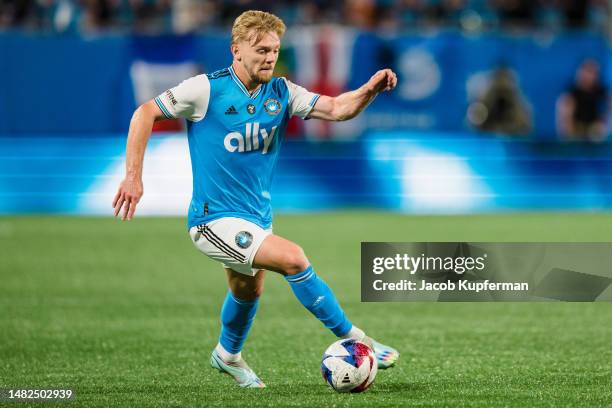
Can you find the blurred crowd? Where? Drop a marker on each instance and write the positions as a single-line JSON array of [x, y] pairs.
[[182, 16], [582, 111]]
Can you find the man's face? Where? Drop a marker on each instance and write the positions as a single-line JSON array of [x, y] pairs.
[[258, 57]]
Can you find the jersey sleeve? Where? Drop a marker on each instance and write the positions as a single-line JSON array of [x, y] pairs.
[[301, 101], [188, 100]]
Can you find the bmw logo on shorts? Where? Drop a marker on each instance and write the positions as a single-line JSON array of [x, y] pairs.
[[272, 106], [244, 239]]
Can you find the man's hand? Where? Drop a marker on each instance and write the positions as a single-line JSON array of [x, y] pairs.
[[381, 81], [350, 104], [129, 194]]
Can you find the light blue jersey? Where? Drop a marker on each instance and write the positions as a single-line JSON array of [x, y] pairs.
[[234, 141]]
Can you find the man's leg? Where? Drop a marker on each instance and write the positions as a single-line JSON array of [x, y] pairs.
[[238, 311], [237, 315], [287, 258], [233, 242]]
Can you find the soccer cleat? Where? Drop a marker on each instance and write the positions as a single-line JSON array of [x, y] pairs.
[[242, 373], [385, 356]]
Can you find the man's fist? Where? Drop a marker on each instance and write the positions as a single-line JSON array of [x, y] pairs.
[[381, 81]]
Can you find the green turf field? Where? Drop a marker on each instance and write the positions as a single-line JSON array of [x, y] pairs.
[[127, 314]]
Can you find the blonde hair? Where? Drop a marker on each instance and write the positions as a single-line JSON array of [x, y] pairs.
[[257, 23]]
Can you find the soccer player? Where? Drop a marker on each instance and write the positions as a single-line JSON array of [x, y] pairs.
[[236, 120]]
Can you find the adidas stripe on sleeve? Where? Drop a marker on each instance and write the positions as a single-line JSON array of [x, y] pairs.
[[301, 101], [188, 100]]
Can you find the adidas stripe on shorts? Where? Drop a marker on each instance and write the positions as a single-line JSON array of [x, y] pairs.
[[231, 241]]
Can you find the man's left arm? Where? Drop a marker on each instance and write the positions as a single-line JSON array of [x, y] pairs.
[[350, 104]]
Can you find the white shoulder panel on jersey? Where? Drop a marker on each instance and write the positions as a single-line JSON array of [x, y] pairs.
[[301, 101], [188, 100]]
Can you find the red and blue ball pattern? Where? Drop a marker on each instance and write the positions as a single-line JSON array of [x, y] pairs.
[[349, 366]]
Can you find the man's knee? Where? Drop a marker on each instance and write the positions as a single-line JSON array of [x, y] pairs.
[[247, 290], [248, 293], [294, 260]]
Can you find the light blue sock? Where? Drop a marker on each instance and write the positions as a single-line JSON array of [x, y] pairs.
[[319, 299], [236, 319]]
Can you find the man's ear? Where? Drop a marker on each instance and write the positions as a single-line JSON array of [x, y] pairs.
[[236, 52]]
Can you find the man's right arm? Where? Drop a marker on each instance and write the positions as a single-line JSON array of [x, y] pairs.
[[131, 189], [188, 100]]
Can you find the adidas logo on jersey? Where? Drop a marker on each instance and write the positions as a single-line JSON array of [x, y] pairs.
[[236, 141], [231, 111]]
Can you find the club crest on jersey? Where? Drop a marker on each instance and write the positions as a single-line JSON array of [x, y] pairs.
[[251, 108], [244, 239], [272, 106], [236, 141]]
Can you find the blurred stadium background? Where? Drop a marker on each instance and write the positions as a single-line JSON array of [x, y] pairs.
[[502, 105]]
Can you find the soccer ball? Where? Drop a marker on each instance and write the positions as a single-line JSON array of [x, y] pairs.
[[349, 366]]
